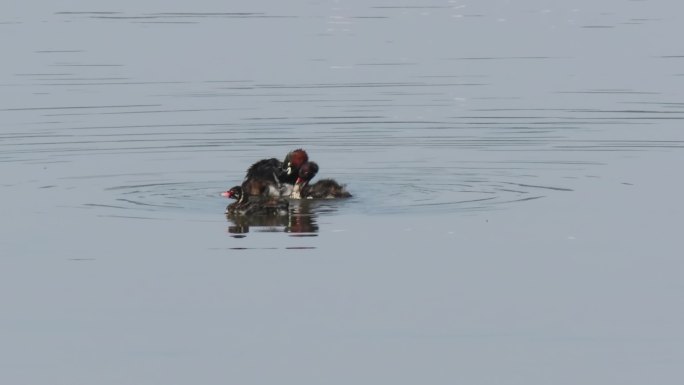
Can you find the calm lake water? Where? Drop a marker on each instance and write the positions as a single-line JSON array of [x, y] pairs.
[[515, 166]]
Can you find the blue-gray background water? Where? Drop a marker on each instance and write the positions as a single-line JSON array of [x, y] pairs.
[[515, 167]]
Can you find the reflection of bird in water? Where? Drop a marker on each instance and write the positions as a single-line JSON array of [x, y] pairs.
[[298, 219], [242, 223], [302, 218]]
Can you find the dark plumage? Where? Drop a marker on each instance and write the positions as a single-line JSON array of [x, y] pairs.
[[306, 172], [255, 205], [261, 187], [266, 169], [276, 171], [292, 164], [273, 178], [325, 189]]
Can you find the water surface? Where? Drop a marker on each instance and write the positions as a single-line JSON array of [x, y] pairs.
[[514, 169]]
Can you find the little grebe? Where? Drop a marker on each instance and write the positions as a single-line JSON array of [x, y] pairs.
[[255, 205], [325, 189]]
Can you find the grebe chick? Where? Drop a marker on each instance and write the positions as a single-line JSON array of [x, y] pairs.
[[325, 189], [255, 205]]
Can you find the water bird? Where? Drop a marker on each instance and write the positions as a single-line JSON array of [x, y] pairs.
[[307, 172], [325, 189], [255, 204], [273, 169], [271, 177]]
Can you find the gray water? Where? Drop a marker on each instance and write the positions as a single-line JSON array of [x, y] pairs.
[[515, 168]]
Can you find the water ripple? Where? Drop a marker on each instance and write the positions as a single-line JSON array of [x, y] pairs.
[[410, 125]]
